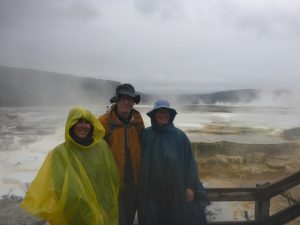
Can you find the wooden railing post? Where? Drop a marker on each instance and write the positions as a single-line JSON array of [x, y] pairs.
[[262, 207], [262, 210]]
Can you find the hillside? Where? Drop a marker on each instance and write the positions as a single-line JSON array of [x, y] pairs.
[[24, 87], [232, 96]]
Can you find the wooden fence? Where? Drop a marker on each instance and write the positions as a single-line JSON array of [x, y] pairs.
[[261, 195]]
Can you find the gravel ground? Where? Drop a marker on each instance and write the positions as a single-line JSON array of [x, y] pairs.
[[12, 214]]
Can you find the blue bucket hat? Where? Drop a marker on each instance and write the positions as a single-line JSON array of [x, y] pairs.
[[162, 104]]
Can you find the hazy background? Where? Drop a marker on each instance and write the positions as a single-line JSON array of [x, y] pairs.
[[161, 46], [192, 50]]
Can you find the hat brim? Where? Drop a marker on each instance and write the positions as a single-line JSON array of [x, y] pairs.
[[136, 99], [171, 110]]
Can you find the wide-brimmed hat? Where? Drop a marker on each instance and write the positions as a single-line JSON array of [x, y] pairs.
[[127, 90], [162, 104]]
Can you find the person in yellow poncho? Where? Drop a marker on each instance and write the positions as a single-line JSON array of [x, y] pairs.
[[78, 183]]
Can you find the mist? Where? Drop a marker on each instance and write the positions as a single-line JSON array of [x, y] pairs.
[[159, 46]]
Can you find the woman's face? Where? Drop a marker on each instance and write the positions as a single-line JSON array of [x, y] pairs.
[[162, 116], [82, 128]]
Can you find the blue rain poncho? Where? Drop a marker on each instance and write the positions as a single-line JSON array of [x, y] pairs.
[[77, 184], [167, 169]]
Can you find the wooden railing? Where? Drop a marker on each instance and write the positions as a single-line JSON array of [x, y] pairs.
[[261, 195]]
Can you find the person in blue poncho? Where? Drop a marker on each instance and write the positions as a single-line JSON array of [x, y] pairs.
[[170, 192]]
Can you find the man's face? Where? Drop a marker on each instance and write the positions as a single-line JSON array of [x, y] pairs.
[[162, 116], [124, 105]]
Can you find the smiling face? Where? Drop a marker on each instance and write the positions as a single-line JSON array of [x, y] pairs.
[[82, 128], [124, 105], [162, 116]]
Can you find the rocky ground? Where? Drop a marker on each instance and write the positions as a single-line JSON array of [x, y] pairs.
[[252, 165], [12, 214]]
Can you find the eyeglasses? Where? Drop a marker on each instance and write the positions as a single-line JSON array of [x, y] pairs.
[[125, 98]]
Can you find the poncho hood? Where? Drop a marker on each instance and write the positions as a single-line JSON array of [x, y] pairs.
[[74, 116]]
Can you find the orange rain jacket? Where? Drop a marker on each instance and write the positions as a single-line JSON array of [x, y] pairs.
[[115, 137]]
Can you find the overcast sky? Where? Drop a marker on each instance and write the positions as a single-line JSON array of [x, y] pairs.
[[157, 45]]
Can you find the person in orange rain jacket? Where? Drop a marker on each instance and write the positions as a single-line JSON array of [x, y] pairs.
[[123, 127]]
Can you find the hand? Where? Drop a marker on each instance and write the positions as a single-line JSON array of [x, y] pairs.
[[189, 193]]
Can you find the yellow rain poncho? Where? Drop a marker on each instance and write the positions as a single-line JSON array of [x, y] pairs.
[[76, 185]]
